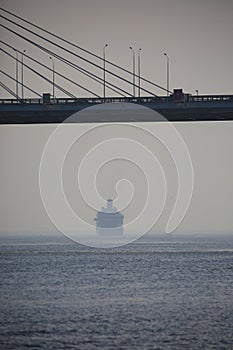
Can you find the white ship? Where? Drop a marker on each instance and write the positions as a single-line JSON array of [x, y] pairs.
[[108, 220]]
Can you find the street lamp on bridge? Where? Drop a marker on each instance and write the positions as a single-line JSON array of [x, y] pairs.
[[165, 54], [104, 70], [139, 72], [53, 77], [22, 53], [16, 74], [133, 64]]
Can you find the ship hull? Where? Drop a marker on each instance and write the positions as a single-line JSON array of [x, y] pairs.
[[110, 232]]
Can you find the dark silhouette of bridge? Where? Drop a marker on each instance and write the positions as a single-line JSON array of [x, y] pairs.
[[124, 85]]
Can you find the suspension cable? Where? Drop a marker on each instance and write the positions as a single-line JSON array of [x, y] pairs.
[[9, 90], [43, 65], [27, 87], [60, 58], [71, 52], [43, 77], [85, 50]]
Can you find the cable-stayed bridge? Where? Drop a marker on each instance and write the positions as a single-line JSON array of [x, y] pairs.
[[78, 78]]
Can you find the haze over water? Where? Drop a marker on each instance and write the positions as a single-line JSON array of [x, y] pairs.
[[165, 292]]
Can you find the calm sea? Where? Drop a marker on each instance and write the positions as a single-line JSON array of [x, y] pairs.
[[163, 293]]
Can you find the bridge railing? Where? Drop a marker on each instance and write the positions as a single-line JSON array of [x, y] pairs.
[[147, 99], [212, 98]]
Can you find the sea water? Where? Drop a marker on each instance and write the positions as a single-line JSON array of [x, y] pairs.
[[157, 293]]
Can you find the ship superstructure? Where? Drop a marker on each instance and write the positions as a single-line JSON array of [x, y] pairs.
[[109, 220]]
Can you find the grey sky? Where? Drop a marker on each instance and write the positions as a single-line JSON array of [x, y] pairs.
[[210, 147], [197, 35]]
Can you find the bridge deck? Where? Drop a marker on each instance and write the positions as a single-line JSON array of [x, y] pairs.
[[184, 108]]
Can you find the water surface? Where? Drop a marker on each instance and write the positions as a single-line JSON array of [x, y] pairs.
[[164, 293]]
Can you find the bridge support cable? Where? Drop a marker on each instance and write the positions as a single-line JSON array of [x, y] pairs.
[[89, 74], [84, 71], [47, 67], [54, 55], [25, 86], [74, 54], [61, 75], [71, 64], [11, 92], [43, 77], [86, 51]]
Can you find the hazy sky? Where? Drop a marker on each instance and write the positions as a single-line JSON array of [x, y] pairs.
[[197, 35], [210, 146]]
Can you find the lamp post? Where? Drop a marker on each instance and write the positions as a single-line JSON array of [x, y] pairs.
[[196, 92], [22, 71], [133, 69], [165, 54], [104, 69], [16, 74], [139, 72], [53, 77]]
